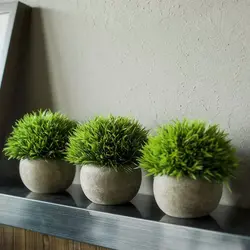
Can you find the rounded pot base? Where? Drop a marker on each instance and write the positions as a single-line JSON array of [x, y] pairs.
[[185, 197], [105, 186], [51, 176]]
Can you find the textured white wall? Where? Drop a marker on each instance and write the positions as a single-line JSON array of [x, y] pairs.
[[153, 59], [4, 18]]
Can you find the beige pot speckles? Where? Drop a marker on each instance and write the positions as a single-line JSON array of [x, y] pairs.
[[186, 198], [50, 176], [104, 185]]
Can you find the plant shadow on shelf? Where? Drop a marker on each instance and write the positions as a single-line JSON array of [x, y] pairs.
[[239, 193], [146, 184], [127, 209], [205, 222], [233, 219], [31, 89], [63, 198], [142, 206], [147, 206]]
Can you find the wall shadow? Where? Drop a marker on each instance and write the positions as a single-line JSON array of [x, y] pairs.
[[240, 186], [38, 89], [146, 184], [27, 87]]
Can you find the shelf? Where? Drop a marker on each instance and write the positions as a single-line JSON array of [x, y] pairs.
[[137, 225]]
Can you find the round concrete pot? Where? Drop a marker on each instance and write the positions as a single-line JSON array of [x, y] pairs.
[[185, 197], [104, 185], [50, 176]]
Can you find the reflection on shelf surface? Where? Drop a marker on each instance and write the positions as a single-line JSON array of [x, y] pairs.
[[224, 219]]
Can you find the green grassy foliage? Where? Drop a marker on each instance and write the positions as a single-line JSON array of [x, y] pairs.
[[190, 148], [112, 141], [39, 135]]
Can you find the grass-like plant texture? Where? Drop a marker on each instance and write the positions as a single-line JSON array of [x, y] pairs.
[[40, 135], [190, 148], [112, 141]]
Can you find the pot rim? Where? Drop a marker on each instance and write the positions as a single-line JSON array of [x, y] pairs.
[[120, 169], [187, 178]]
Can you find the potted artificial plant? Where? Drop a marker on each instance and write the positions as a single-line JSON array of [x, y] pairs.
[[108, 150], [39, 141], [190, 160]]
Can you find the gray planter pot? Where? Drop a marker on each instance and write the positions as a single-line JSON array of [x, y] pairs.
[[186, 198], [103, 185], [50, 176]]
